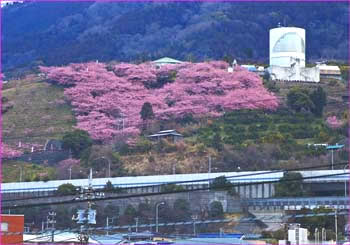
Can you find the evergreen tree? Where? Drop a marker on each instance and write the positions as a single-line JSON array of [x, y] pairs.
[[147, 111], [77, 141], [290, 185], [298, 99], [319, 98]]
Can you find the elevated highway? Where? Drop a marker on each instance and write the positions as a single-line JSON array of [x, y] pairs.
[[249, 184]]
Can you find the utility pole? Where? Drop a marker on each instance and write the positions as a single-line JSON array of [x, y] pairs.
[[51, 219], [336, 226], [209, 165], [107, 226], [20, 172], [70, 173], [86, 217], [137, 223]]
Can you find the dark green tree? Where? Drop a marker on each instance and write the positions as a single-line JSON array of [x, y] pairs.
[[109, 186], [290, 185], [147, 111], [77, 141], [146, 114], [298, 99], [319, 98], [228, 58], [221, 183], [216, 210], [66, 189], [217, 142]]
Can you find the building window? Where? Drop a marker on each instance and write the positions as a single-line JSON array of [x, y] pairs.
[[4, 226]]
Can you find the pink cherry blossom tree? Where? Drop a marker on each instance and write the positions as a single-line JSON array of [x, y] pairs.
[[107, 99], [8, 152], [333, 122]]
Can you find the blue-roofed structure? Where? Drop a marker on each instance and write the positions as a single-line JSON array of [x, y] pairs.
[[251, 68], [334, 147]]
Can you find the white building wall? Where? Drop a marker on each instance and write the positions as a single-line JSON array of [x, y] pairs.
[[295, 73], [297, 236]]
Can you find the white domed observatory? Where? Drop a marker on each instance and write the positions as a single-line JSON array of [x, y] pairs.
[[287, 56], [287, 45]]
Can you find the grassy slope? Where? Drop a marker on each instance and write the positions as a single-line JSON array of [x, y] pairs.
[[39, 112]]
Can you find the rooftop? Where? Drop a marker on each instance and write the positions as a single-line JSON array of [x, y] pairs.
[[167, 60]]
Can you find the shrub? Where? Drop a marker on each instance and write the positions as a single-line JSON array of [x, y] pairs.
[[143, 146], [284, 128], [221, 183], [4, 99], [66, 189], [171, 188]]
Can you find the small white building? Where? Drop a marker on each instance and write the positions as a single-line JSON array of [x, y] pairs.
[[297, 235], [166, 134], [327, 71]]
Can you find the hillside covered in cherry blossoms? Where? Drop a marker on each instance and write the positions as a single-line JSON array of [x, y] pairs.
[[102, 95]]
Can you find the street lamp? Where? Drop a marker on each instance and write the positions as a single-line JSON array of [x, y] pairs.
[[194, 218], [157, 206], [109, 164], [336, 225], [137, 223]]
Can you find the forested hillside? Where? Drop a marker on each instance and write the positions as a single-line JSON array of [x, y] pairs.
[[61, 32]]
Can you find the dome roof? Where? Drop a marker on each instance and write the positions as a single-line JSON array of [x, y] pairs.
[[290, 42]]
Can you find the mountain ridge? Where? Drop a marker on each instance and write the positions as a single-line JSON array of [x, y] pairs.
[[79, 32]]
